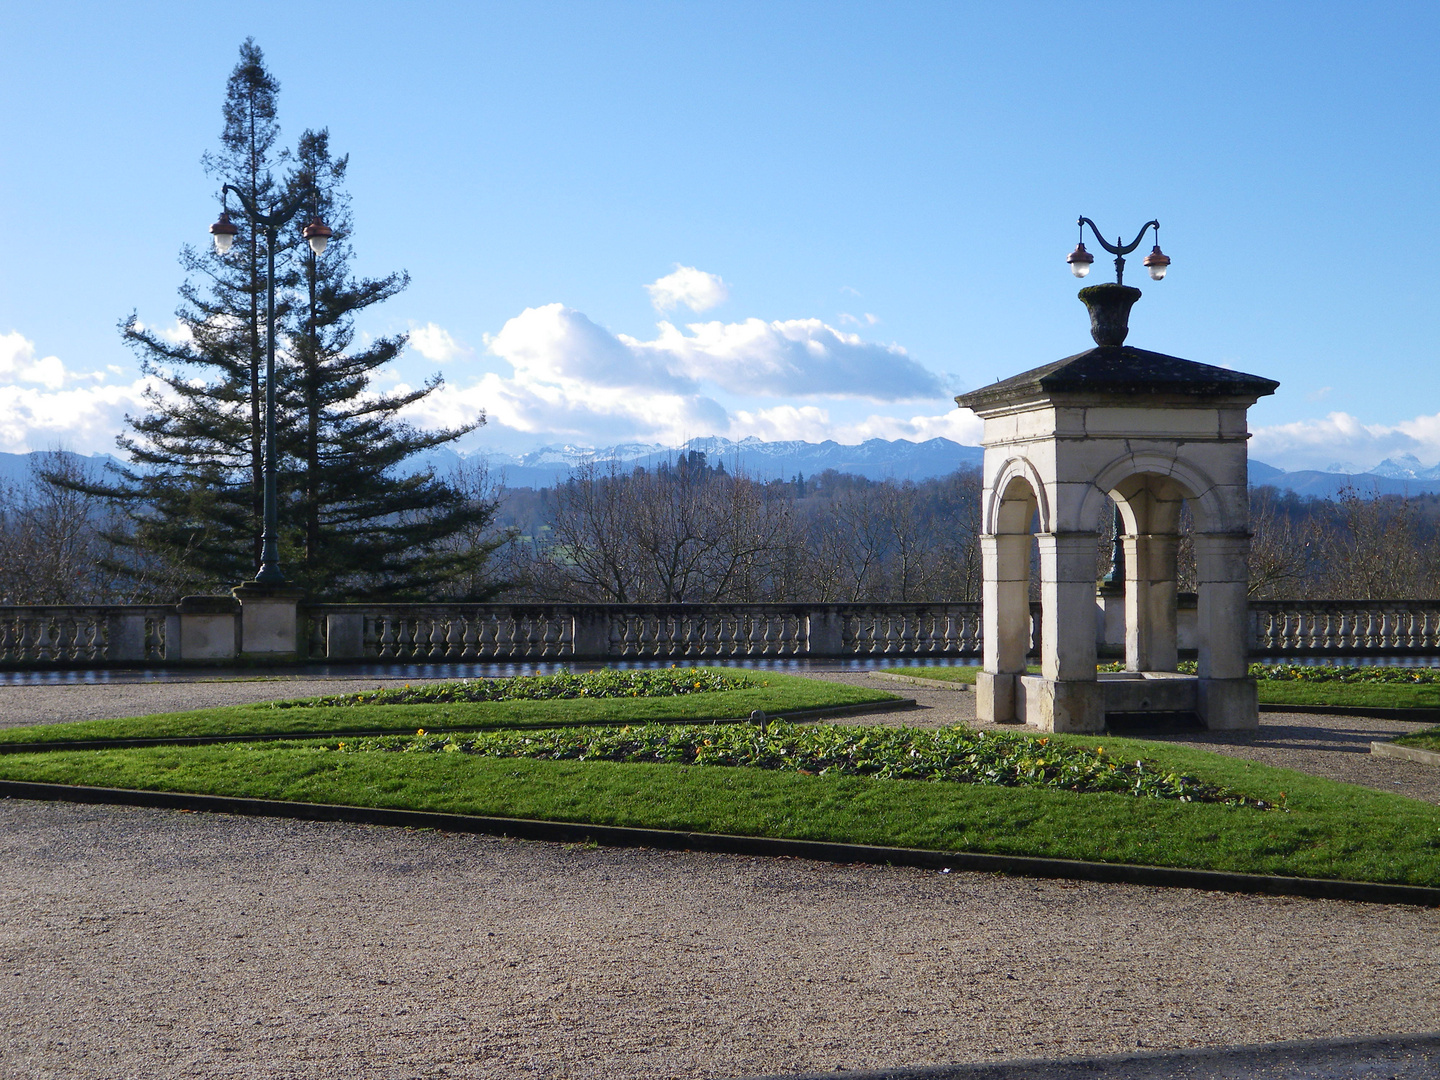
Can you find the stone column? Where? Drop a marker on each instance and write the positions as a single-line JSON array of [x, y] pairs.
[[1151, 633], [1227, 693], [1072, 698], [1005, 629]]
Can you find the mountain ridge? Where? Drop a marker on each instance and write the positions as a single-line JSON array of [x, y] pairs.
[[877, 459]]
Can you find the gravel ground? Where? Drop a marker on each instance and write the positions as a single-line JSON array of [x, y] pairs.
[[152, 943], [23, 705]]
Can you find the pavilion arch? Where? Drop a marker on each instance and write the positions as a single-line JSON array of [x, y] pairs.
[[1151, 432], [1015, 498], [1169, 477]]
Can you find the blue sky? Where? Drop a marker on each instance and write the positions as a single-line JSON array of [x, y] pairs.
[[846, 213]]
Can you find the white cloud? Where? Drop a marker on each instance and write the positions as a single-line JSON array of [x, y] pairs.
[[435, 343], [559, 345], [796, 357], [806, 423], [43, 404], [84, 419], [19, 364], [576, 381], [1340, 438], [693, 288]]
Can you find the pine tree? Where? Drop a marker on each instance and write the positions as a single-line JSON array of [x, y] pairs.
[[353, 521], [359, 524], [195, 482]]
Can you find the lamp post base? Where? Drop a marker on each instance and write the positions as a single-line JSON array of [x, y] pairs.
[[269, 621]]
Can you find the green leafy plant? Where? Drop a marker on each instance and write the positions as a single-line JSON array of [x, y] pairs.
[[954, 754], [609, 683]]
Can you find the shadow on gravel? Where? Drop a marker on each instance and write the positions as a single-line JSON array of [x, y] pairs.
[[1393, 1057]]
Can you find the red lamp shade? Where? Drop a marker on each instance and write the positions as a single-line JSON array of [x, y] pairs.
[[317, 234], [224, 232], [1157, 262], [1080, 261]]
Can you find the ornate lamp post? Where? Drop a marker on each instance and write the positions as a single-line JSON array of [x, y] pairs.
[[1157, 262], [224, 231], [1109, 316]]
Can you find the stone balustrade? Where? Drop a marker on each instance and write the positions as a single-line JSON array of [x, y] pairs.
[[58, 636], [211, 630], [1344, 627], [507, 632]]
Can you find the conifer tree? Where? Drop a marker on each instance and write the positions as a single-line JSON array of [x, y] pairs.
[[353, 521], [197, 458], [359, 524]]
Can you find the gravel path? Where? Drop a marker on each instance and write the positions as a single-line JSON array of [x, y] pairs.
[[154, 943], [160, 944]]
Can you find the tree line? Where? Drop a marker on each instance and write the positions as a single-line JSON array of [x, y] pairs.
[[695, 532]]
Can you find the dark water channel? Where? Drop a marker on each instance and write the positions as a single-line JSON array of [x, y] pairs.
[[399, 671]]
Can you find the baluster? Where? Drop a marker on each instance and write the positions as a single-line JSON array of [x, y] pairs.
[[770, 637], [566, 624], [923, 627], [486, 629], [755, 636], [864, 636], [44, 639], [892, 637], [789, 634], [94, 646], [507, 632], [67, 634], [725, 634], [455, 637], [470, 640], [389, 640]]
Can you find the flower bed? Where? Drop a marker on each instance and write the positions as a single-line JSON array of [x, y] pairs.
[[955, 754], [648, 683]]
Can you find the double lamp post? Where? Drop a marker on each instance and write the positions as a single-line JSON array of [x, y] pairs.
[[317, 234], [1156, 264]]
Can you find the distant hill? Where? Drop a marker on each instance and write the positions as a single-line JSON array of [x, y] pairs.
[[16, 468], [877, 459], [1327, 485]]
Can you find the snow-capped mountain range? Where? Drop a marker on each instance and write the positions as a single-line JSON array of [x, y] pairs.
[[877, 459]]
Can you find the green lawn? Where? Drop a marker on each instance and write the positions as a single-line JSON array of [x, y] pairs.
[[1330, 830], [1354, 695], [1429, 739], [776, 694], [1359, 695]]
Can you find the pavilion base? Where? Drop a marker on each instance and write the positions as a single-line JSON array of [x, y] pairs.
[[1086, 706]]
